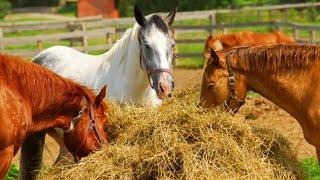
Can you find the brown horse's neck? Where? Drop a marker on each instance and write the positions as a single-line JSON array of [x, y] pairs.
[[294, 91], [46, 92]]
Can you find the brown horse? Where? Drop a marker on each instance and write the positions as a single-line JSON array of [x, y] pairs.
[[245, 38], [287, 75], [34, 99]]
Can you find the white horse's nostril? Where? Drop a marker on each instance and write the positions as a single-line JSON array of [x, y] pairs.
[[161, 88]]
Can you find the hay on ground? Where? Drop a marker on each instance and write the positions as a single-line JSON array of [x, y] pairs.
[[180, 141]]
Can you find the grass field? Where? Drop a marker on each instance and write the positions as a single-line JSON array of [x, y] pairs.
[[310, 168], [13, 173]]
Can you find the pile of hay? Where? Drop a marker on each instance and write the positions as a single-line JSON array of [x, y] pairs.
[[180, 141]]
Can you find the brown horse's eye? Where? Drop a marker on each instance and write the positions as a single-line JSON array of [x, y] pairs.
[[211, 85]]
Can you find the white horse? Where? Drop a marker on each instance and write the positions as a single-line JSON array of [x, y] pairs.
[[137, 69]]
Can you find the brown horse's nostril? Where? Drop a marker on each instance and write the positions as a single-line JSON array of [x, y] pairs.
[[170, 95]]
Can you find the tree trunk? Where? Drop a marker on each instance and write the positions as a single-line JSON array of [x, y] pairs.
[[62, 3]]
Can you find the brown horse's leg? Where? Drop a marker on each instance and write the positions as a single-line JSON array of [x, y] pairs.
[[31, 156], [6, 156]]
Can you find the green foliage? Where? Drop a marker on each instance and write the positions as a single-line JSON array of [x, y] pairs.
[[68, 10], [126, 6], [4, 8], [13, 173], [33, 3], [310, 168]]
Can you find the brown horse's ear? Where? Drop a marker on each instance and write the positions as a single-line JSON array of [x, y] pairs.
[[214, 57], [101, 95], [170, 17]]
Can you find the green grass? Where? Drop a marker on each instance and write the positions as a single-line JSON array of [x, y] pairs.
[[13, 173], [253, 94], [310, 168], [190, 63]]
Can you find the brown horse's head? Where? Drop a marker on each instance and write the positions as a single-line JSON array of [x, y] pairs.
[[217, 85], [87, 132]]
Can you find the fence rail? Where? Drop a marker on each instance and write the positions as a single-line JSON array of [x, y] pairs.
[[99, 21], [81, 30], [82, 35]]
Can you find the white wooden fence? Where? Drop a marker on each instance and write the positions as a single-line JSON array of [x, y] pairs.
[[83, 29]]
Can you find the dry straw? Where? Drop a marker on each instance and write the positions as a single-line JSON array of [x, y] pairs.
[[180, 141]]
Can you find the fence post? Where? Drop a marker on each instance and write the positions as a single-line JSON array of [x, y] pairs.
[[175, 60], [258, 15], [224, 30], [1, 40], [279, 27], [109, 39], [72, 27], [39, 45], [313, 37], [213, 22], [286, 15], [269, 15], [84, 37]]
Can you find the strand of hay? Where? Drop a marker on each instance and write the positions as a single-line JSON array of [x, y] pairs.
[[180, 141]]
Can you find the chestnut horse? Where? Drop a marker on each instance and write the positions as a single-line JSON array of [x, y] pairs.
[[34, 99], [287, 75], [245, 38]]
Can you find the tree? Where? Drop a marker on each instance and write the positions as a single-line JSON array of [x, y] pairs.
[[62, 3], [4, 8]]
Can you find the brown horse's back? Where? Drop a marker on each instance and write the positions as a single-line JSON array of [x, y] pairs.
[[245, 38], [14, 117], [283, 38]]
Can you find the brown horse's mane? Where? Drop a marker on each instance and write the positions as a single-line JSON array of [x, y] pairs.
[[37, 84], [275, 58]]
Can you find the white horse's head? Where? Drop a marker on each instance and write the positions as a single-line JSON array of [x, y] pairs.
[[156, 50]]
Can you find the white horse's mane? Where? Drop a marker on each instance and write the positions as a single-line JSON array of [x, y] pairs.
[[120, 49]]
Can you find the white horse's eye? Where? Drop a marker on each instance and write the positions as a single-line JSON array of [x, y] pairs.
[[147, 46]]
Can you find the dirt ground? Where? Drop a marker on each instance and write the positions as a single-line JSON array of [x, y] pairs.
[[258, 111]]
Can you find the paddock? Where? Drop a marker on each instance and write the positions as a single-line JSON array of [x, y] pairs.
[[96, 35]]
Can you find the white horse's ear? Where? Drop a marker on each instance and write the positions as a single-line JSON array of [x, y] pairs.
[[139, 16], [170, 17]]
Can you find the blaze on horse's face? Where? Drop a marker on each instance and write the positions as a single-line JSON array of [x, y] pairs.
[[156, 44], [215, 89], [83, 140]]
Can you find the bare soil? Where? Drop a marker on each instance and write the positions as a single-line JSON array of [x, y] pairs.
[[257, 110]]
